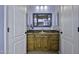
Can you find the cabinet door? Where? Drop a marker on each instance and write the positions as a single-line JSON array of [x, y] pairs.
[[53, 42], [30, 42], [37, 42], [54, 45], [44, 44]]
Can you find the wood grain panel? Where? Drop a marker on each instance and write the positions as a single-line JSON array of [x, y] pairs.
[[30, 42], [43, 42], [37, 42]]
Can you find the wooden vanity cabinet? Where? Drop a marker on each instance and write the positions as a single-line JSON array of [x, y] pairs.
[[43, 42]]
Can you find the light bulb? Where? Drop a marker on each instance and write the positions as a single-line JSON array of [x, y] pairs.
[[41, 7], [37, 7], [45, 7]]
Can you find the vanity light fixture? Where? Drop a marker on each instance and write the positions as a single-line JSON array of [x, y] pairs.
[[41, 7]]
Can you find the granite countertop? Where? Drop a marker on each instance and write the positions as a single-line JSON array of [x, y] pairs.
[[37, 31]]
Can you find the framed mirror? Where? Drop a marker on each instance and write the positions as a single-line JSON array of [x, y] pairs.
[[42, 19]]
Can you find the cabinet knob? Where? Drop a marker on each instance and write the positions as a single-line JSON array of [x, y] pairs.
[[61, 32], [25, 32]]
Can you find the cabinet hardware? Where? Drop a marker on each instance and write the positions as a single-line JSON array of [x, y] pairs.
[[8, 29], [78, 29], [25, 32], [61, 32]]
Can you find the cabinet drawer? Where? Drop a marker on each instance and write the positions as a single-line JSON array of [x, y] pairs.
[[53, 36], [30, 35]]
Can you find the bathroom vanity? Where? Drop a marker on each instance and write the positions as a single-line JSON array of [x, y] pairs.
[[43, 40]]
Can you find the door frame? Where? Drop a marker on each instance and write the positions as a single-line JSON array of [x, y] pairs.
[[5, 29]]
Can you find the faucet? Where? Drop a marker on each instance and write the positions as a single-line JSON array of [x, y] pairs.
[[42, 31]]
